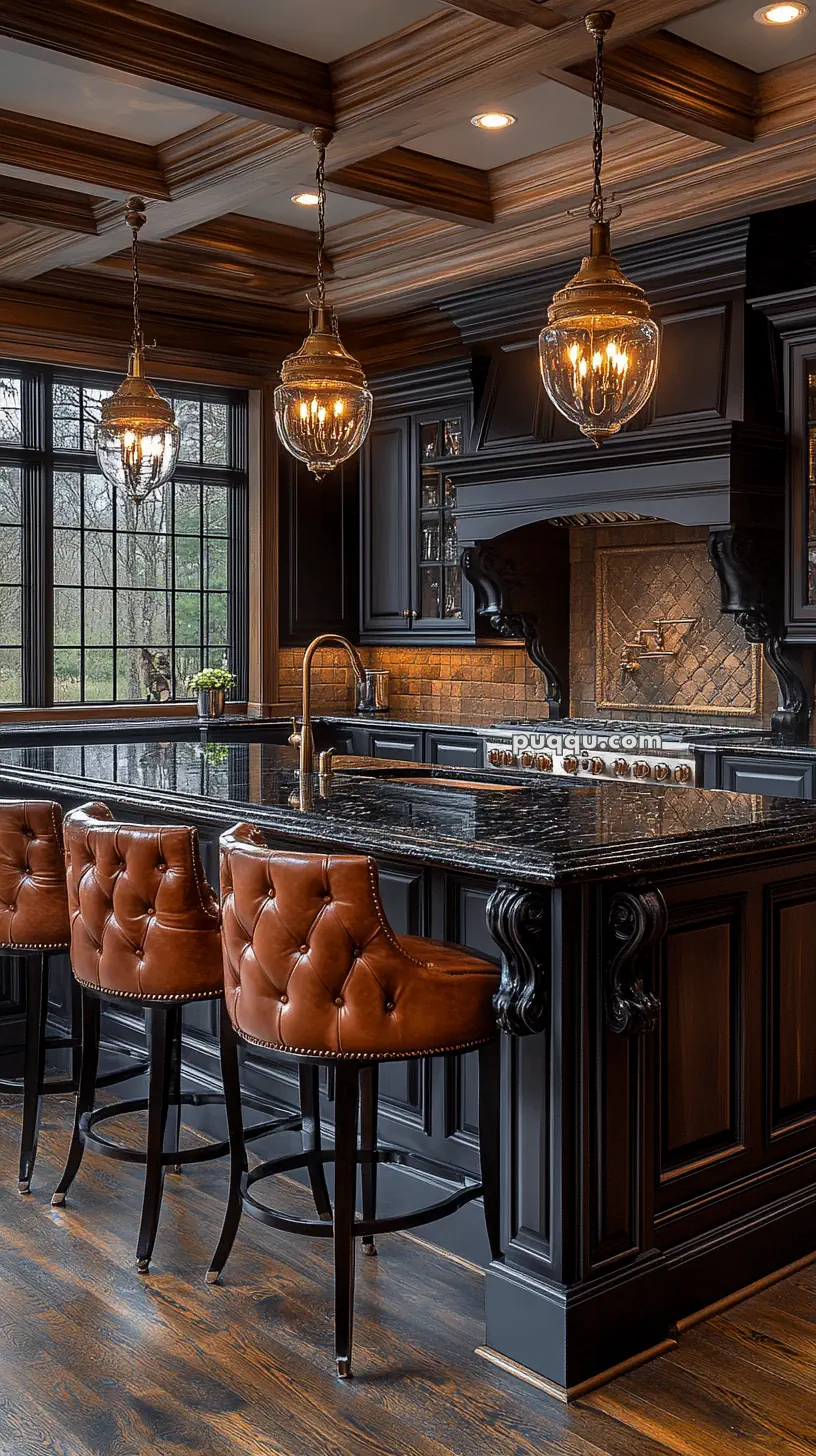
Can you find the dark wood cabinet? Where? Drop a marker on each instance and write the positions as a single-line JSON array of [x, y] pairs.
[[318, 522], [386, 531], [454, 750], [785, 778], [801, 408], [396, 743], [411, 581]]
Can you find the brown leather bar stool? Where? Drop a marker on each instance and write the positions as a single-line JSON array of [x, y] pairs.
[[312, 968], [34, 926], [145, 927]]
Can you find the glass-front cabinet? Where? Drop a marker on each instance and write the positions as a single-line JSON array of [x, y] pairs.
[[411, 577], [802, 494], [438, 576]]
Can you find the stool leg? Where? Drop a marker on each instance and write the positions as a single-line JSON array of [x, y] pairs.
[[489, 1140], [89, 1062], [34, 1066], [345, 1188], [163, 1021], [238, 1158], [310, 1134], [173, 1133], [76, 1031], [369, 1081]]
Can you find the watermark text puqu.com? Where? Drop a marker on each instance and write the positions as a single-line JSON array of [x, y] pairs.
[[587, 742]]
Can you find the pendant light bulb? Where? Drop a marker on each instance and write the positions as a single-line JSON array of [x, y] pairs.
[[322, 404], [600, 349], [137, 439]]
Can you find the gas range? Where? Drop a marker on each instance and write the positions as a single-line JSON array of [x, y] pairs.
[[598, 748]]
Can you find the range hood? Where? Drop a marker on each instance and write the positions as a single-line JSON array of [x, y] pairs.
[[708, 449]]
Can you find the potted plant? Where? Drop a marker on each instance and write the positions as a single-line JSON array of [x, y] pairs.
[[212, 685]]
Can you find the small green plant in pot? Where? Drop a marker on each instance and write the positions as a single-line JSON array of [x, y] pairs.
[[211, 685]]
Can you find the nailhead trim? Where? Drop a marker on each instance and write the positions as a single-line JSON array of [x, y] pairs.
[[12, 945], [143, 996], [463, 1046]]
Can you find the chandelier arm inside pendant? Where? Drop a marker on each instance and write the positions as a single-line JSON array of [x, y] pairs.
[[136, 439], [599, 351], [322, 404]]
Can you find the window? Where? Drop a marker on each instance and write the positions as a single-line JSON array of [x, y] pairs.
[[123, 602]]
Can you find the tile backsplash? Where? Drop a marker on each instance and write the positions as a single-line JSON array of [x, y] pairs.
[[627, 584], [455, 682], [623, 578]]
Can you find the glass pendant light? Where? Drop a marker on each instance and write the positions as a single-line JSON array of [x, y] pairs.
[[322, 404], [600, 349], [137, 439]]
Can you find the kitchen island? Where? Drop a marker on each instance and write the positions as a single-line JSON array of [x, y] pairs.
[[658, 997]]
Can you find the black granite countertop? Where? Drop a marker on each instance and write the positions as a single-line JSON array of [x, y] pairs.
[[181, 725], [539, 830], [767, 748]]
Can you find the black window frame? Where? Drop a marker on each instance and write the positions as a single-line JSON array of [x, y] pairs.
[[39, 461]]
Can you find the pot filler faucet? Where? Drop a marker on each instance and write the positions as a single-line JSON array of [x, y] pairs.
[[302, 737]]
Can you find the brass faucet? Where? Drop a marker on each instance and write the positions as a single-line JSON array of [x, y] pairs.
[[303, 738]]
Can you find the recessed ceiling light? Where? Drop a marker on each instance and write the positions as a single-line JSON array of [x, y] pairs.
[[783, 13], [492, 120], [305, 199]]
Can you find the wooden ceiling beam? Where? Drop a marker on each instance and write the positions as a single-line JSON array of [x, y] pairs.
[[448, 65], [112, 166], [514, 13], [787, 97], [172, 265], [672, 81], [255, 241], [772, 174], [177, 56], [55, 207], [417, 182]]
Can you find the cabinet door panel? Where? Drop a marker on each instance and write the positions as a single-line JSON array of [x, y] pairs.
[[778, 778], [454, 750], [406, 745], [386, 529], [318, 567]]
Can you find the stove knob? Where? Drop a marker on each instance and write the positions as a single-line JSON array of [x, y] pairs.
[[642, 769], [494, 755], [543, 762], [597, 765], [662, 772], [683, 773], [570, 765], [621, 767]]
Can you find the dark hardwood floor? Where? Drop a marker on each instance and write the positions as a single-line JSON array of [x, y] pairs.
[[98, 1361]]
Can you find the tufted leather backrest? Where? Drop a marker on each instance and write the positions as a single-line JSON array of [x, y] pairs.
[[33, 898], [144, 921], [311, 963]]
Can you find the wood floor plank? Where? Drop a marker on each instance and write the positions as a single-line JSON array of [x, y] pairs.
[[96, 1360]]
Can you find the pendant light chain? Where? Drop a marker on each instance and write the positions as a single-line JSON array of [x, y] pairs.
[[321, 221], [596, 208], [135, 217]]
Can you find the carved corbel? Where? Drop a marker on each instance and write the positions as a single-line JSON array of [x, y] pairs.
[[750, 565], [518, 918], [637, 923], [491, 578]]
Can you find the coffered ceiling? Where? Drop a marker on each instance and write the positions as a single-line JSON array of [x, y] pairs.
[[710, 115]]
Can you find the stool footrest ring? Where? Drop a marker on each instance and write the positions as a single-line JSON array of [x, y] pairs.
[[321, 1229], [91, 1139], [135, 1068]]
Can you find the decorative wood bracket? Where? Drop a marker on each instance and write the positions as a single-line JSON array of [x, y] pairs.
[[750, 564], [638, 920], [518, 918], [488, 576]]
